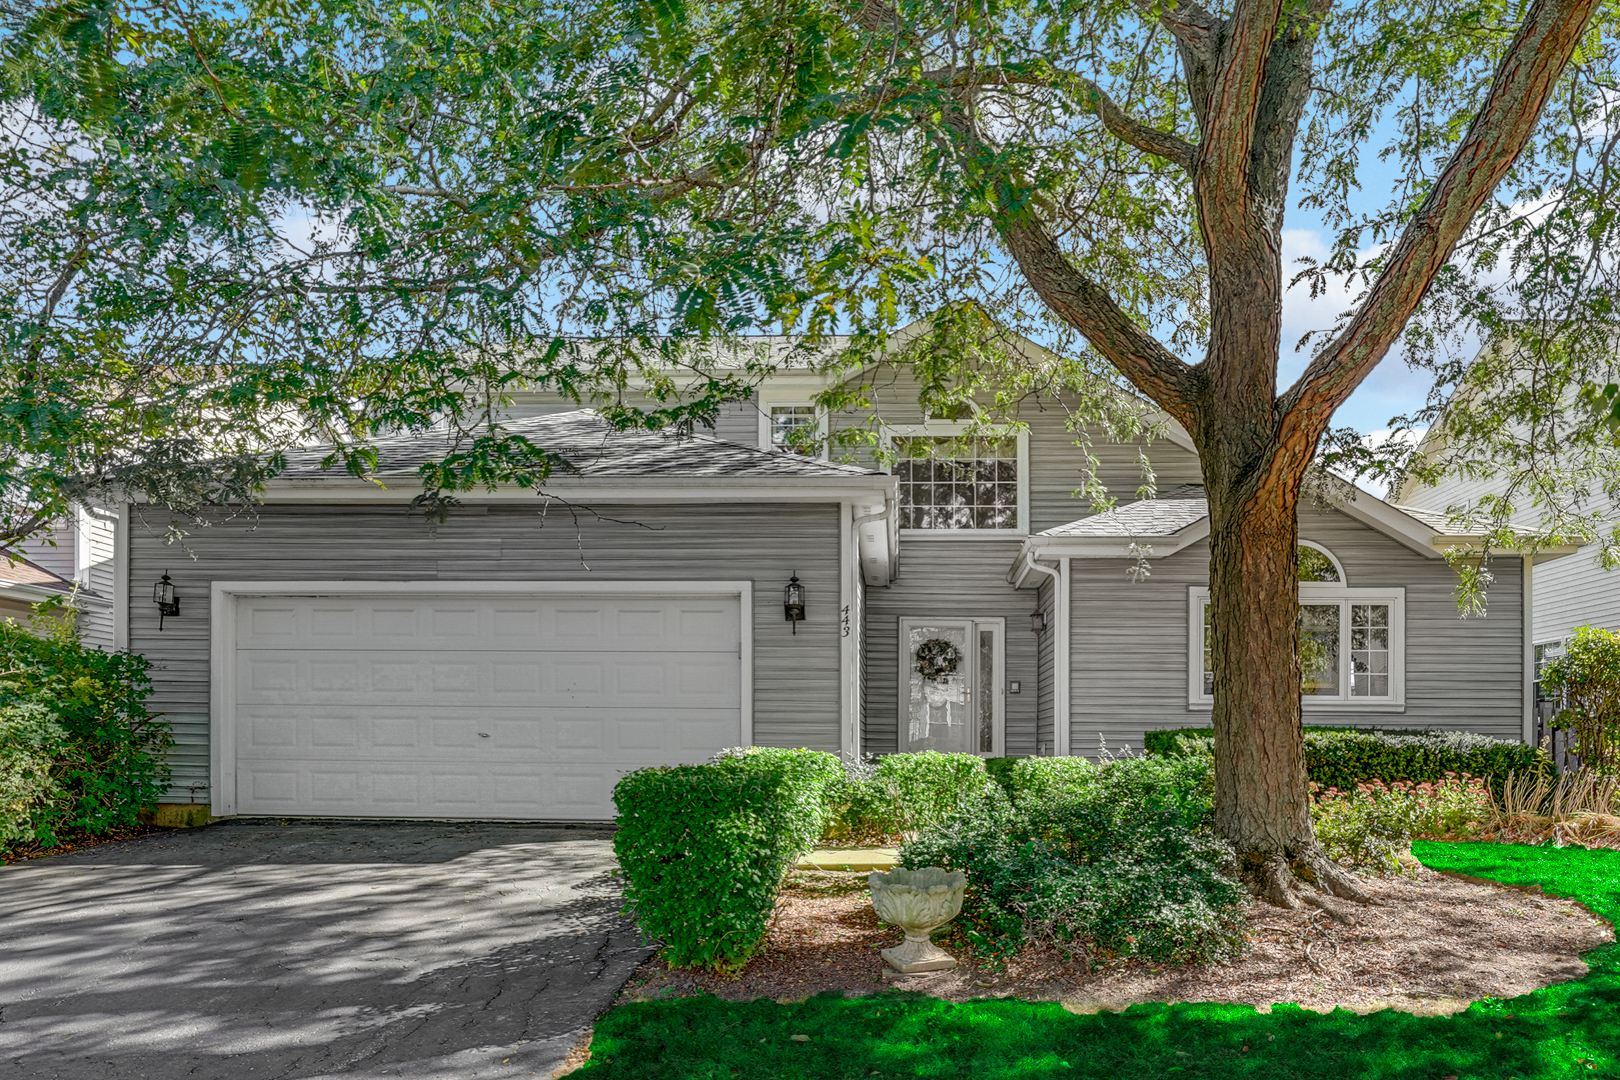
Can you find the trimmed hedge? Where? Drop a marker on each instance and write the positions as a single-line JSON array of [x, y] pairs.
[[902, 794], [1344, 757], [704, 848], [1028, 780]]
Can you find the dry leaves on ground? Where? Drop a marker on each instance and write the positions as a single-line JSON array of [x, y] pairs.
[[1435, 945]]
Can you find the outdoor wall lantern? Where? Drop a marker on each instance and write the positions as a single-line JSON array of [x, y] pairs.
[[168, 604], [793, 602], [1037, 621]]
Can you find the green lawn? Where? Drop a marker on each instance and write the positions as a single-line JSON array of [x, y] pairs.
[[1571, 1030]]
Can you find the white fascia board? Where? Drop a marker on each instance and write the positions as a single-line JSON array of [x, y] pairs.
[[1443, 544], [627, 489], [1394, 523], [1104, 547], [32, 594]]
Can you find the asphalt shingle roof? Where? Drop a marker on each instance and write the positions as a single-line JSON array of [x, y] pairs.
[[16, 570], [1173, 510], [590, 446]]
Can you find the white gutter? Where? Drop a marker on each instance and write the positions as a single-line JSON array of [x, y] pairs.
[[1060, 649], [1526, 600], [627, 489]]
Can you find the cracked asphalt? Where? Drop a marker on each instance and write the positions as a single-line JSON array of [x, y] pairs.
[[260, 950]]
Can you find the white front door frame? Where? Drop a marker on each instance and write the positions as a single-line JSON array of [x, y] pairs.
[[998, 736], [222, 650]]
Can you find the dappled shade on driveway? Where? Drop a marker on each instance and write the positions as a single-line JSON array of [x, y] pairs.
[[311, 949]]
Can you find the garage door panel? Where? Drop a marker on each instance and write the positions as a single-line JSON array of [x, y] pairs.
[[476, 707], [584, 625], [664, 736], [286, 677], [554, 791]]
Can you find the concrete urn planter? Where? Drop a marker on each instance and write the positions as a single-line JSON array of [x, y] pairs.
[[918, 902]]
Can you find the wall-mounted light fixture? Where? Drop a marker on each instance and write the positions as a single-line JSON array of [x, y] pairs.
[[1037, 621], [793, 602], [168, 604]]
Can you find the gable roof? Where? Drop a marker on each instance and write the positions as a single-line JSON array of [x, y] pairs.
[[1179, 517], [29, 581], [588, 446]]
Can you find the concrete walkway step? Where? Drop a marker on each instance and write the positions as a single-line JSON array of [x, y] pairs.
[[881, 858]]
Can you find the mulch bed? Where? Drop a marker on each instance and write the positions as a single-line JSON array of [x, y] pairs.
[[1437, 944], [75, 843]]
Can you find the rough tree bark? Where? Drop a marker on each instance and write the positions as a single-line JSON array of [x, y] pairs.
[[1248, 79]]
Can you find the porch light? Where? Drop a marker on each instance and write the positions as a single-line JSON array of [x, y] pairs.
[[168, 604], [793, 602], [1037, 621]]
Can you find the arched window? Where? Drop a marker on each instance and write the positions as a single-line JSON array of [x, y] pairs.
[[1351, 641]]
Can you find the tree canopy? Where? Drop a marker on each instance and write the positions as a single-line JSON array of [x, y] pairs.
[[232, 227]]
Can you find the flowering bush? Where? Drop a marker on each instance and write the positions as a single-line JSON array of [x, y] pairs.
[[1371, 827]]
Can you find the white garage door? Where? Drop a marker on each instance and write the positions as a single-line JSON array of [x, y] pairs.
[[468, 707]]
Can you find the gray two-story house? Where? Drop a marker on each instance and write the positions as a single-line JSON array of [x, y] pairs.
[[336, 653]]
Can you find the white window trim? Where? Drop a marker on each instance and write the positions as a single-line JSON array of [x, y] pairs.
[[951, 428], [768, 401], [1315, 592], [1344, 579]]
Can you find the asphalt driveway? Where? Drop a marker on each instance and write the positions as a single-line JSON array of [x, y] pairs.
[[311, 949]]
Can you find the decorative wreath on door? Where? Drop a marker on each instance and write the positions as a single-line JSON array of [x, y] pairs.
[[938, 659]]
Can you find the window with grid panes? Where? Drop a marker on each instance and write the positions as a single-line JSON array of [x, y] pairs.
[[944, 485]]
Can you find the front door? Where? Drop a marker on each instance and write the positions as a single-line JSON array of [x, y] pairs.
[[951, 686]]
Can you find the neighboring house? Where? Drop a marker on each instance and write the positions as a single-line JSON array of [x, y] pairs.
[[337, 654], [75, 557], [24, 584], [1567, 589]]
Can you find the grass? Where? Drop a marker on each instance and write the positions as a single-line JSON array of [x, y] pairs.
[[1569, 1030]]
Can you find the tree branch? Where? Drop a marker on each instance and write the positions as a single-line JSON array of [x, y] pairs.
[[1524, 80], [1089, 308], [1144, 137]]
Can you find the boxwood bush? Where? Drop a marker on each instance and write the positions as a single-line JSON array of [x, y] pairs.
[[704, 848], [1344, 757], [1043, 779], [79, 754], [899, 795], [1123, 864]]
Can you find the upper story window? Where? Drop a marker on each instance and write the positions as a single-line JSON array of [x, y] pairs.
[[795, 428], [951, 483], [1351, 641]]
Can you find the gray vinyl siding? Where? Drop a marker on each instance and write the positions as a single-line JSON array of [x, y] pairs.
[[1129, 670], [796, 677], [98, 579], [945, 577], [53, 549], [1572, 592], [1056, 463]]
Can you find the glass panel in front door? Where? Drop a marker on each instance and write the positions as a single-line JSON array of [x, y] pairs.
[[985, 683], [940, 715]]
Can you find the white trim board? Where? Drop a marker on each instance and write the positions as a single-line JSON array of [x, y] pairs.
[[222, 641]]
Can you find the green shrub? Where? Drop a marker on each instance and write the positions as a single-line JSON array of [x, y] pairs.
[[704, 848], [1587, 675], [1044, 779], [1371, 826], [1123, 865], [1344, 757], [79, 754], [902, 794]]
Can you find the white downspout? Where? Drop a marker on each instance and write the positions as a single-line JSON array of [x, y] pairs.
[[1527, 602], [850, 626], [1060, 650]]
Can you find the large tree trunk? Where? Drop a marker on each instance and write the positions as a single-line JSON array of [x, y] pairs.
[[1262, 798]]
